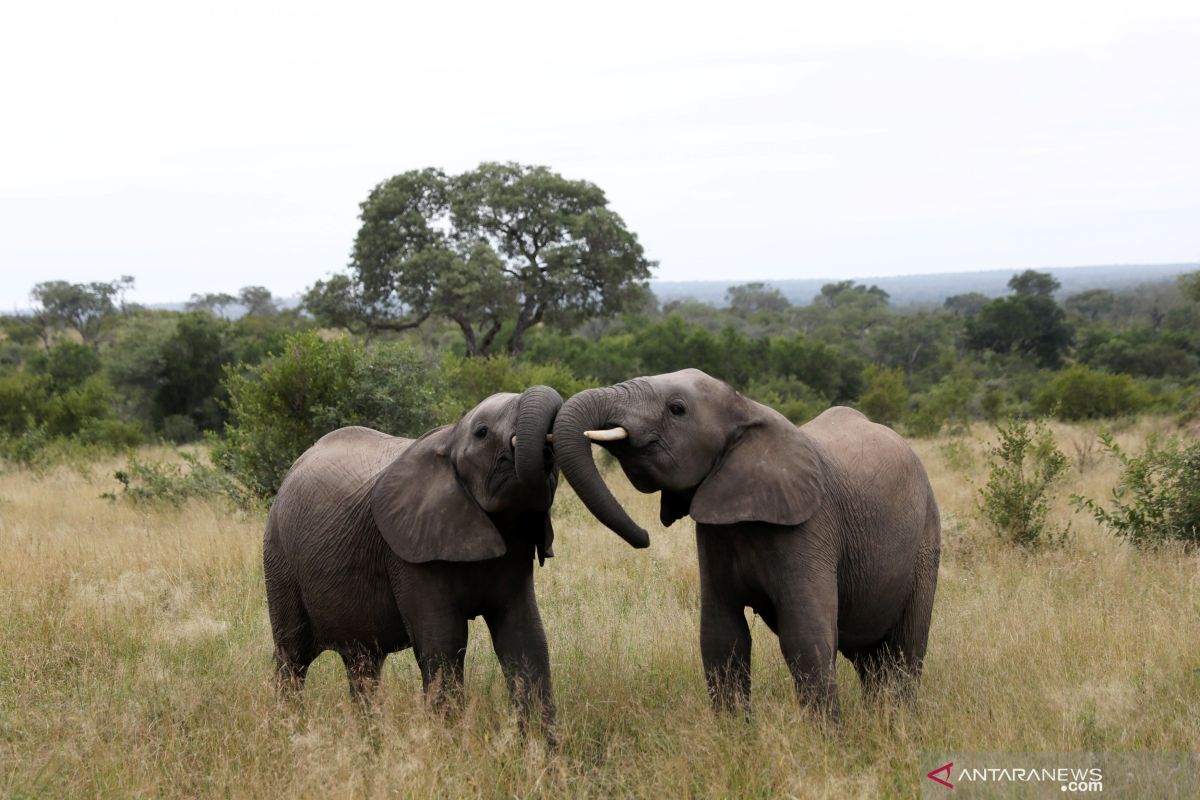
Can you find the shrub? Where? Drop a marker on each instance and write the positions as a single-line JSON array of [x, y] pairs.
[[111, 433], [1082, 393], [885, 399], [277, 409], [1023, 468], [469, 380], [790, 396], [1158, 496], [149, 483], [947, 402], [180, 429]]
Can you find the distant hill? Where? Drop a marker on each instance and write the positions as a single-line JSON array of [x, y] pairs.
[[933, 289]]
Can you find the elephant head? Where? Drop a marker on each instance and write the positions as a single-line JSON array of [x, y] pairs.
[[437, 500], [714, 454]]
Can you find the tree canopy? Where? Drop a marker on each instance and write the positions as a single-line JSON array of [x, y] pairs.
[[497, 249]]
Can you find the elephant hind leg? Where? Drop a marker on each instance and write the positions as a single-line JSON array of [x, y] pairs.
[[291, 628], [363, 667], [896, 661]]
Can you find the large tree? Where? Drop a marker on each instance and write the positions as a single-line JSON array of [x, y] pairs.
[[82, 306], [1030, 322], [497, 250]]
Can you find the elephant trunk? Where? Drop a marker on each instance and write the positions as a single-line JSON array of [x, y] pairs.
[[536, 410], [592, 410]]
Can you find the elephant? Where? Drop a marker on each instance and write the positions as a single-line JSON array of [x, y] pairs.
[[828, 531], [376, 543]]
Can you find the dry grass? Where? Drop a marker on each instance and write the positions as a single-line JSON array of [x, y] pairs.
[[135, 660]]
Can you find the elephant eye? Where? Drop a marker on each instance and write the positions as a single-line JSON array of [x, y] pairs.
[[677, 408], [481, 432]]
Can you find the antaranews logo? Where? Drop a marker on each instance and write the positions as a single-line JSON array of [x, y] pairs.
[[960, 776], [1069, 779], [944, 768]]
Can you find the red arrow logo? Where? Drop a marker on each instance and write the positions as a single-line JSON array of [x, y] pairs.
[[933, 776]]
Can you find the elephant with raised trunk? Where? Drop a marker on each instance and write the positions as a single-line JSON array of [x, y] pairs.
[[828, 531], [377, 543]]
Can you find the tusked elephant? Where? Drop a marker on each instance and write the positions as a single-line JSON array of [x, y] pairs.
[[377, 543], [828, 531]]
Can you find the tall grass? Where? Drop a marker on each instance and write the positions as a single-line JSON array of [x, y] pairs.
[[135, 660]]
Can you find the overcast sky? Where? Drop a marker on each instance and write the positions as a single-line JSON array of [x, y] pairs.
[[207, 147]]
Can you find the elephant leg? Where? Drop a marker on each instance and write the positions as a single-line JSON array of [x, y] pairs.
[[291, 668], [520, 644], [363, 666], [725, 651], [291, 628], [896, 662], [808, 641], [440, 645]]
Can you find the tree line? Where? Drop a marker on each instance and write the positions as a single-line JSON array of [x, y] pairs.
[[461, 285]]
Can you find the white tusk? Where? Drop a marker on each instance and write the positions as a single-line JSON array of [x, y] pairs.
[[549, 438], [609, 435]]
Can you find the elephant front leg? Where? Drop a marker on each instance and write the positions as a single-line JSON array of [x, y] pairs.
[[440, 645], [725, 651], [520, 644]]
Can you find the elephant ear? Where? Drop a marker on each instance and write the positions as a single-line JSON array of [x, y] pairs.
[[425, 513], [771, 473]]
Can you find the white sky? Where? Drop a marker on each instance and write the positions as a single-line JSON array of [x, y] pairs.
[[229, 143]]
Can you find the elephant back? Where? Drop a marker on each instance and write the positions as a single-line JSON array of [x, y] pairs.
[[329, 487]]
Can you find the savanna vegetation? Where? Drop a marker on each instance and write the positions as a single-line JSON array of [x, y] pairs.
[[139, 447], [136, 658]]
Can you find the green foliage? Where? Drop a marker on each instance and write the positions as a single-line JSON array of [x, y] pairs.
[[192, 363], [111, 434], [756, 298], [80, 306], [1032, 326], [172, 485], [1032, 283], [946, 403], [1158, 496], [1091, 304], [1139, 351], [66, 364], [502, 247], [790, 396], [281, 407], [885, 399], [467, 381], [1190, 285], [1080, 393], [1023, 468]]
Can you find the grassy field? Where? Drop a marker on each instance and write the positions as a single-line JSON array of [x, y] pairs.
[[135, 661]]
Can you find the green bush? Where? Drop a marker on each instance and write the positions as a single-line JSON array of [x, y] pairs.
[[1023, 468], [179, 429], [1158, 496], [1080, 392], [277, 409], [111, 433], [790, 396], [948, 402], [885, 399], [469, 380], [149, 483]]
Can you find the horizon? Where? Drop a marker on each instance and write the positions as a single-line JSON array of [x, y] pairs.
[[1164, 272]]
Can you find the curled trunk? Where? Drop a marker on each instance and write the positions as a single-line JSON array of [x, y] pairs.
[[592, 410], [535, 416]]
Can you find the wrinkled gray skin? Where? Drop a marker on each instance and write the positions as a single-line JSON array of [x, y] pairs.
[[829, 532], [376, 543]]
